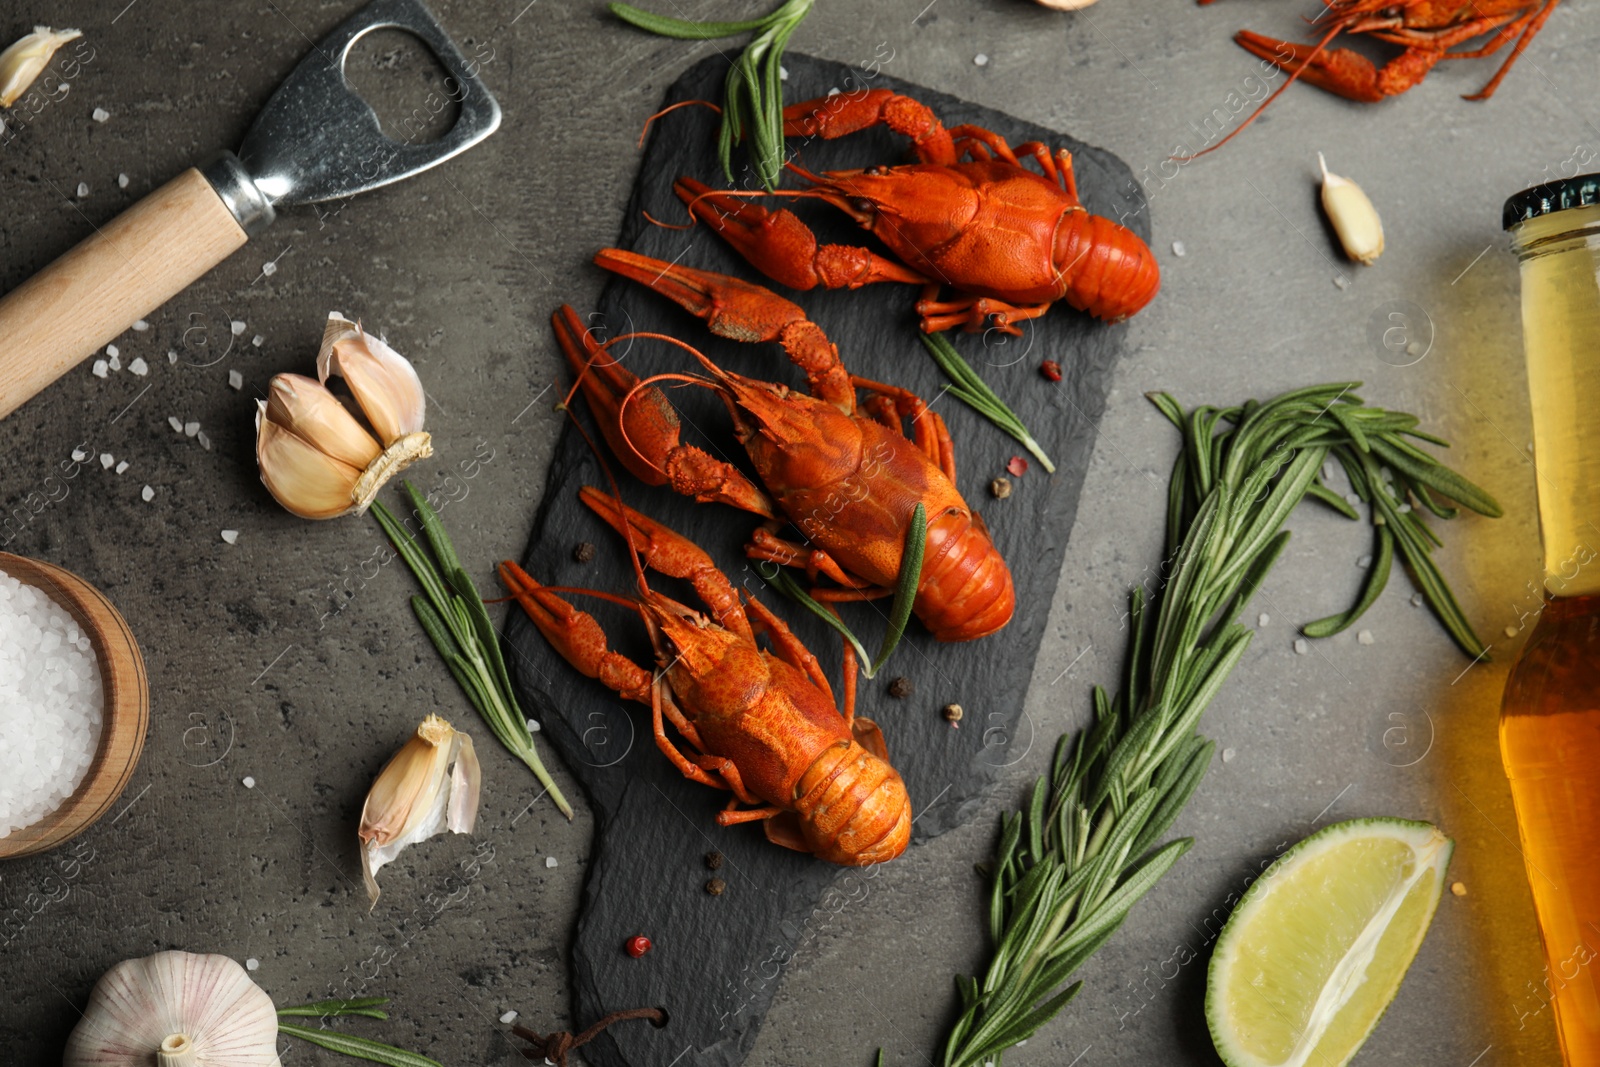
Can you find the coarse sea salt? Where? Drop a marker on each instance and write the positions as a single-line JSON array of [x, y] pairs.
[[50, 705]]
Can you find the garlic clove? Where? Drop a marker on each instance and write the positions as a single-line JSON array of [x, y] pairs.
[[27, 58], [1065, 5], [411, 801], [307, 482], [172, 1009], [384, 382], [1354, 218], [305, 407]]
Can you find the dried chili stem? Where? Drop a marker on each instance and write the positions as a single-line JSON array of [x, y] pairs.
[[1073, 861]]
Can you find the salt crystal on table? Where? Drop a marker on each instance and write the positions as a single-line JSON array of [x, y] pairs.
[[980, 60], [122, 466], [252, 964], [509, 1016], [107, 460], [83, 190], [533, 726], [1416, 600], [1511, 631], [237, 327], [148, 494], [269, 268], [236, 379], [231, 536], [249, 782], [1228, 754], [550, 861], [99, 369], [258, 340], [205, 442], [1178, 249], [79, 455], [1364, 637], [122, 181], [1364, 562], [1300, 646], [139, 366], [172, 355], [176, 423], [113, 351], [100, 114], [1264, 619], [139, 325], [190, 429]]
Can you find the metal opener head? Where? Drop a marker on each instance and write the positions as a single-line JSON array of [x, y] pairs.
[[317, 139]]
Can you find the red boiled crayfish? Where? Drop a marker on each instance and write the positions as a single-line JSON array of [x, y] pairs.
[[761, 724], [846, 477], [1426, 29], [966, 216]]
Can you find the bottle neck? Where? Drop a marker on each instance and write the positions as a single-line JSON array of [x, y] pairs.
[[1560, 258]]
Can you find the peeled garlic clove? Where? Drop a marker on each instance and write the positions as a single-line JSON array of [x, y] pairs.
[[176, 1009], [1354, 218], [410, 801], [384, 382], [1065, 5], [304, 406], [307, 482], [26, 59]]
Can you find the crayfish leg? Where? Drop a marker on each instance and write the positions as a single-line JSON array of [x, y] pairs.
[[786, 646], [842, 114], [725, 768], [671, 751], [576, 635]]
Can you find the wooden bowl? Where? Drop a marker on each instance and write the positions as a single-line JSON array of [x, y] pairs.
[[123, 722]]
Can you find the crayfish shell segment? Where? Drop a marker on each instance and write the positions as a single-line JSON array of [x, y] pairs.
[[853, 807]]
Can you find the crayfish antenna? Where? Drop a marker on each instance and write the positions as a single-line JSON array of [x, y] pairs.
[[1294, 76], [682, 103]]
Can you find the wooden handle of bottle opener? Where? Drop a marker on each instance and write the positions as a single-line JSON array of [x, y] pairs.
[[125, 270]]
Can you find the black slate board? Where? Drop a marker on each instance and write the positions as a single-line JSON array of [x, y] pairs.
[[718, 960]]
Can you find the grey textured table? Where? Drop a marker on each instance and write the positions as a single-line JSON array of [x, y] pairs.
[[290, 657]]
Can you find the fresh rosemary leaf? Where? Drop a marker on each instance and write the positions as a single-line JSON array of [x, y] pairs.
[[976, 394], [357, 1047], [455, 620], [1083, 849], [752, 97], [905, 592], [905, 595], [367, 1006]]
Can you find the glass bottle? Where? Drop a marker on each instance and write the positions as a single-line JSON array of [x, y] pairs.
[[1550, 717]]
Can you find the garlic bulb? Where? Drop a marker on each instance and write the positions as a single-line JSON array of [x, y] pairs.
[[409, 802], [26, 59], [176, 1009], [1354, 218], [315, 457]]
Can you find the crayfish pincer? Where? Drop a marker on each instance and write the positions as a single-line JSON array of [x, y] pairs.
[[967, 216], [761, 724], [844, 474]]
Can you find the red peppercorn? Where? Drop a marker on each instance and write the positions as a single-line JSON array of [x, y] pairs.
[[1017, 466], [638, 946], [1051, 370]]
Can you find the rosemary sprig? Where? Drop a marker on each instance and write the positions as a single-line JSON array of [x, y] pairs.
[[975, 393], [1072, 863], [455, 619], [753, 94], [347, 1044], [905, 595], [357, 1047]]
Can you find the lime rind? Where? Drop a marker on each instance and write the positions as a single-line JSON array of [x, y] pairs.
[[1316, 949]]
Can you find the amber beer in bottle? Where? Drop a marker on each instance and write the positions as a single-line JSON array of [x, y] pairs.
[[1550, 719]]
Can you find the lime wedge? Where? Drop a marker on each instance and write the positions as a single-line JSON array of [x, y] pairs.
[[1316, 949]]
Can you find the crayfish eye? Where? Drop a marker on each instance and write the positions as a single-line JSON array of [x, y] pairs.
[[877, 172], [1390, 13], [862, 204]]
